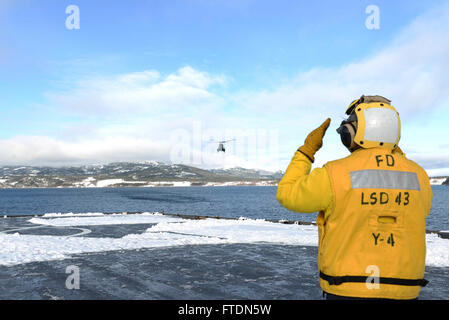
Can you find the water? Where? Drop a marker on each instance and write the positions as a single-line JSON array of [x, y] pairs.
[[438, 218], [220, 271], [247, 201]]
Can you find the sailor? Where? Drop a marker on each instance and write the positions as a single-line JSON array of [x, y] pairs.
[[372, 206]]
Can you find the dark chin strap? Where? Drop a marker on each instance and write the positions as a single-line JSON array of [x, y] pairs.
[[356, 147], [352, 138], [353, 126]]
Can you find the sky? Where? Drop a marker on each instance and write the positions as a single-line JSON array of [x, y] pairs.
[[166, 80]]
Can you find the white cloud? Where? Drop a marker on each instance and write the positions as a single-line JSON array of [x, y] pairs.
[[412, 71], [39, 150], [431, 161], [147, 92], [146, 108]]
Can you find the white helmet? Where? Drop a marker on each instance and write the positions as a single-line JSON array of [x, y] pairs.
[[372, 122]]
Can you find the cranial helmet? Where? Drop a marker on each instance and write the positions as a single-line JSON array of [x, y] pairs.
[[372, 122]]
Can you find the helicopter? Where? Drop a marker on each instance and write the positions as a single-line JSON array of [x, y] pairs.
[[221, 147]]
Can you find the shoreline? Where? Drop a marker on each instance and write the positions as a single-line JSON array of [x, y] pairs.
[[174, 184], [441, 233]]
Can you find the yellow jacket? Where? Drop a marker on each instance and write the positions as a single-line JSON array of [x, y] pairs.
[[303, 191], [364, 227]]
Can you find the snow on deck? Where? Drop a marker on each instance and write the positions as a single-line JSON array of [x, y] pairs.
[[167, 231]]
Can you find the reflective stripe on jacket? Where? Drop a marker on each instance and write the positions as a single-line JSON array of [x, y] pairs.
[[373, 206]]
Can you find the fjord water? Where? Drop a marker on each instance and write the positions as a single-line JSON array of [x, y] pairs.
[[247, 270], [254, 202]]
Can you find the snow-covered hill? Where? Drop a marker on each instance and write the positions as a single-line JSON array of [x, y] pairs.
[[123, 174]]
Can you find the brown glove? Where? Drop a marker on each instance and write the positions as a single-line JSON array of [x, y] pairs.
[[314, 140]]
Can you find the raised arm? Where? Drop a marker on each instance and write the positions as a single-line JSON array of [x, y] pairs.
[[301, 190]]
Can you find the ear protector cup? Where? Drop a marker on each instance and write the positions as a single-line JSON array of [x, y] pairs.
[[345, 136], [347, 132]]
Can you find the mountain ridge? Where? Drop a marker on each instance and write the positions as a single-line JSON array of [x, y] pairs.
[[121, 174]]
